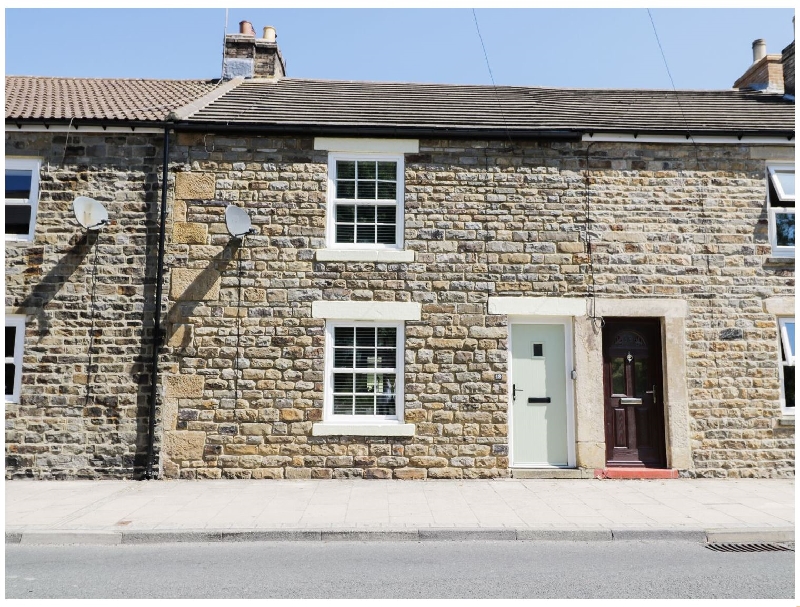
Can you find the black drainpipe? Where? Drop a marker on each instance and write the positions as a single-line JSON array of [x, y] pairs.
[[158, 335]]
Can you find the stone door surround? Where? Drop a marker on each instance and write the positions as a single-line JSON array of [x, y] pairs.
[[588, 363]]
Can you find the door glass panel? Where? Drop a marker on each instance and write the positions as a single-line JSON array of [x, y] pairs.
[[618, 375], [640, 377]]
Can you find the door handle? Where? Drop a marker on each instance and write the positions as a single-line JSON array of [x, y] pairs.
[[514, 391], [653, 392]]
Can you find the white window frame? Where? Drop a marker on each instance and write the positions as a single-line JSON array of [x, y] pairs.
[[778, 251], [18, 322], [34, 166], [328, 414], [333, 201], [787, 359]]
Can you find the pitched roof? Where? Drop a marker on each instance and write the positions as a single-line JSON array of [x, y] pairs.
[[293, 101], [298, 103], [42, 98]]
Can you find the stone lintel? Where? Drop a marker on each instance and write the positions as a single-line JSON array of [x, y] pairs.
[[779, 306], [366, 310]]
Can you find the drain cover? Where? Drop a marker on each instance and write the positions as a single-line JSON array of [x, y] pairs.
[[771, 547]]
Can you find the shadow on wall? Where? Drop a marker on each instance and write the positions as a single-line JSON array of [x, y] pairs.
[[46, 290], [191, 288], [188, 288]]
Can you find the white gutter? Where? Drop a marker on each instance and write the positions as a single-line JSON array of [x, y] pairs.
[[722, 139]]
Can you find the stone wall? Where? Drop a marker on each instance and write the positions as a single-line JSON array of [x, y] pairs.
[[484, 219], [89, 305]]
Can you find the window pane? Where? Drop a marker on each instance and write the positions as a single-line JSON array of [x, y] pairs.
[[343, 382], [386, 234], [366, 170], [18, 184], [789, 326], [387, 170], [387, 358], [365, 358], [345, 169], [18, 218], [387, 214], [346, 213], [618, 375], [366, 190], [343, 357], [345, 189], [344, 336], [784, 229], [345, 232], [365, 214], [366, 234], [364, 382], [365, 337], [387, 191], [640, 377], [385, 395], [788, 385], [10, 376], [786, 181], [11, 335], [365, 405], [343, 405], [387, 337]]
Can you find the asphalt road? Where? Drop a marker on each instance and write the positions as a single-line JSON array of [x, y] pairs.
[[477, 569]]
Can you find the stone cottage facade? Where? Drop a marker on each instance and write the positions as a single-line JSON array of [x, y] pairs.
[[428, 290]]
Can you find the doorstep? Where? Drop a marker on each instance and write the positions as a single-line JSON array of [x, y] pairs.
[[551, 473], [635, 473]]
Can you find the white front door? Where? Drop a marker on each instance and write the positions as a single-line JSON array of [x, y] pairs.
[[539, 408]]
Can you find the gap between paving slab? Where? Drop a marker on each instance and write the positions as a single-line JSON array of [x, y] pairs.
[[50, 537]]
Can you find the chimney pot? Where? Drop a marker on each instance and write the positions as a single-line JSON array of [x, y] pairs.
[[759, 50], [269, 34], [246, 28]]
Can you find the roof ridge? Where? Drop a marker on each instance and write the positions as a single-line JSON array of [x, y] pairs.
[[112, 79], [184, 112]]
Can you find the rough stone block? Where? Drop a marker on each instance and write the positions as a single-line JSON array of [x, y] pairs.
[[182, 445], [189, 233], [194, 285], [194, 186], [185, 386], [181, 336]]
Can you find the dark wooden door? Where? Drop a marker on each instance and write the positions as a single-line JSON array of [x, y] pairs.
[[634, 410]]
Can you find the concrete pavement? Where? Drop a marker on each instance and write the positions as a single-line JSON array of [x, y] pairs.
[[744, 510]]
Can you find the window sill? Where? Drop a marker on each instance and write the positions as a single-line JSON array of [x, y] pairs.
[[377, 255], [330, 429], [787, 420]]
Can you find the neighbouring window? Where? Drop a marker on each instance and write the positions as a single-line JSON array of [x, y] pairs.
[[15, 336], [366, 201], [786, 326], [366, 370], [22, 197], [780, 206]]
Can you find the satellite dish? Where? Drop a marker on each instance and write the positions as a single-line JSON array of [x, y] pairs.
[[238, 222], [91, 214]]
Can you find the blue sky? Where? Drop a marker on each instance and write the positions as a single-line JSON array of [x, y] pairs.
[[598, 48]]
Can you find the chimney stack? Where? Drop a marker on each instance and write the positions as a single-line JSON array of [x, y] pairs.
[[766, 72], [249, 57]]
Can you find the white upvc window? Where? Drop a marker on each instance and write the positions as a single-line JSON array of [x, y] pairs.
[[365, 201], [14, 347], [22, 197], [780, 207], [786, 326], [364, 372]]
